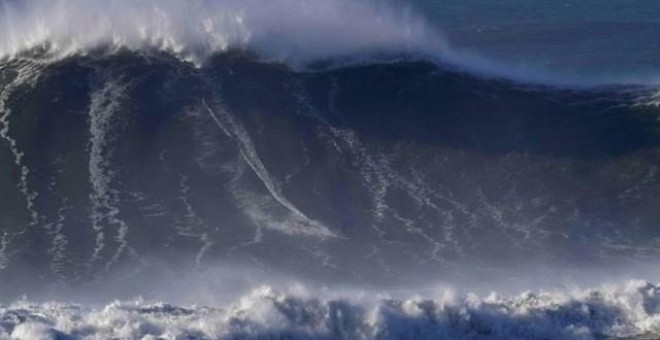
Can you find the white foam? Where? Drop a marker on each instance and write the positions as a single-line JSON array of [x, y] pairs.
[[34, 331], [297, 221], [622, 310], [105, 103], [286, 30], [295, 32], [648, 100], [27, 75]]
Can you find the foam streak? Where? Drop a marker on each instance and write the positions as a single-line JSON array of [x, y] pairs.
[[105, 104], [27, 74], [249, 153]]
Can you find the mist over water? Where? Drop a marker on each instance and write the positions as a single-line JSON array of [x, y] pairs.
[[313, 169], [293, 31], [297, 32]]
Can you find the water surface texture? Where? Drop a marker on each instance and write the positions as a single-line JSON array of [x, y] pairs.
[[329, 169]]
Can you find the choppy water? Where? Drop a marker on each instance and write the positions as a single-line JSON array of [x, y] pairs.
[[625, 311]]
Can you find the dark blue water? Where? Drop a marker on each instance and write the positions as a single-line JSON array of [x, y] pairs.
[[578, 38], [304, 170]]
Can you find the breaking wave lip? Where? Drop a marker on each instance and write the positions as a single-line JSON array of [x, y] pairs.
[[617, 311], [295, 32], [292, 31]]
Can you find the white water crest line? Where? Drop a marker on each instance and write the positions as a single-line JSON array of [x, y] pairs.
[[295, 32], [292, 31], [618, 311], [232, 128], [105, 103], [27, 75]]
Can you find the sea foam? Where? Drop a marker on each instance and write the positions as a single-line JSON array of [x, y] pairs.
[[623, 310], [292, 31]]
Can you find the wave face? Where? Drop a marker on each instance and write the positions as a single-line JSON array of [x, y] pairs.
[[127, 170], [116, 165], [624, 311]]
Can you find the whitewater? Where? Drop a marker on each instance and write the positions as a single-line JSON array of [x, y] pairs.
[[291, 31], [617, 311], [299, 33]]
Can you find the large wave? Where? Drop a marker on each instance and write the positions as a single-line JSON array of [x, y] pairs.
[[618, 311], [295, 32], [126, 171], [358, 174]]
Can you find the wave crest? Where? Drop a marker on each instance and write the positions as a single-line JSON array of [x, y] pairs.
[[295, 32], [624, 310], [292, 31]]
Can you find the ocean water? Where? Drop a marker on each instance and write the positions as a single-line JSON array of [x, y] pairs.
[[334, 169], [618, 312], [572, 38]]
